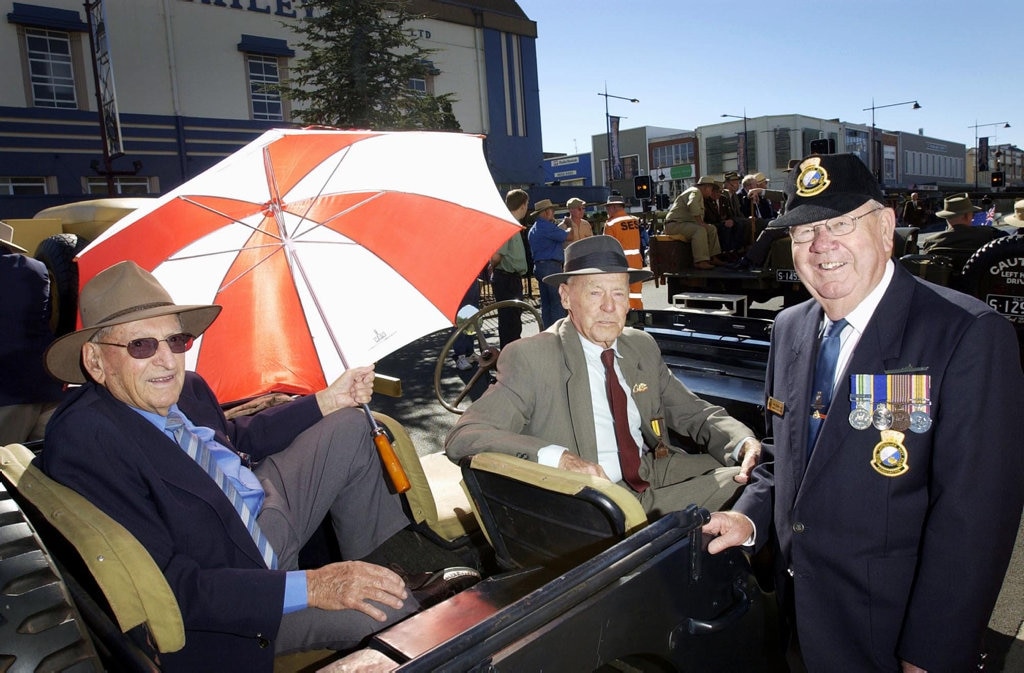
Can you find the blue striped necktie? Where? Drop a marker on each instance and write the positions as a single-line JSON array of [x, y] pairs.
[[824, 379], [197, 451]]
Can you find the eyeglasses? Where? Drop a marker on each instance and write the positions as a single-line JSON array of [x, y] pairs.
[[839, 226], [140, 349]]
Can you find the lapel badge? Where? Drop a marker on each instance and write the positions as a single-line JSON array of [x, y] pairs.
[[777, 407], [640, 388]]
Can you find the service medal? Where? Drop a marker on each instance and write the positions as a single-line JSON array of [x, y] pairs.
[[900, 419], [920, 421], [889, 458], [860, 418], [882, 418]]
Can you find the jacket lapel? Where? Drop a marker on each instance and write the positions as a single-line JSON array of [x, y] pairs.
[[877, 351], [174, 467], [577, 390]]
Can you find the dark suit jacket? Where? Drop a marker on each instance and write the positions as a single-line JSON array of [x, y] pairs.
[[543, 397], [230, 602], [896, 567], [959, 243]]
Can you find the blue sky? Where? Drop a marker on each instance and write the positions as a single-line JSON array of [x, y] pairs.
[[689, 62]]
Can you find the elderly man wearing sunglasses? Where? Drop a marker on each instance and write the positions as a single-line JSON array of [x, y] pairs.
[[224, 506]]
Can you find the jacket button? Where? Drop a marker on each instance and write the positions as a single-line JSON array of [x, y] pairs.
[[262, 642], [798, 527]]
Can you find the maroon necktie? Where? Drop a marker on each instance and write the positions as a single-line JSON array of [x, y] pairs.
[[629, 455]]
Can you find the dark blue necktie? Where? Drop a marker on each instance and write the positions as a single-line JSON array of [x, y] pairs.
[[197, 451], [824, 379]]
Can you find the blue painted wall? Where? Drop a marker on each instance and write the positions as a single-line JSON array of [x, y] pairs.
[[514, 160]]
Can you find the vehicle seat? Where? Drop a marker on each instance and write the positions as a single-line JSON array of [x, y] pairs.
[[136, 592], [434, 497], [538, 515], [936, 269], [134, 587], [668, 254], [904, 241]]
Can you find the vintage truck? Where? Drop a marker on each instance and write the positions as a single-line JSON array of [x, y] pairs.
[[575, 577]]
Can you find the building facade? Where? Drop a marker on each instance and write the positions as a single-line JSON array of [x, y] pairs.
[[569, 170], [905, 160], [635, 153], [191, 82]]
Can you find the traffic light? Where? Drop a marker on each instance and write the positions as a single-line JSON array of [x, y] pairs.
[[997, 178], [642, 186], [662, 201]]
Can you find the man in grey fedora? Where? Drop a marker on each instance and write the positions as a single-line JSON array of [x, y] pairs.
[[553, 403], [959, 240]]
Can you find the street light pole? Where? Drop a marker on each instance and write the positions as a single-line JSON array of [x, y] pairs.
[[875, 168], [977, 152], [742, 169], [608, 129]]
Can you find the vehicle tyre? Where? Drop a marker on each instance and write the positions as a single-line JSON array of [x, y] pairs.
[[995, 275], [40, 628], [983, 273], [58, 254]]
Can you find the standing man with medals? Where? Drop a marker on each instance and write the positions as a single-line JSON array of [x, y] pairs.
[[894, 496]]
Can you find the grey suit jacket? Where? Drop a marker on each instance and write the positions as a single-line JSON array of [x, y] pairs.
[[908, 566], [542, 397]]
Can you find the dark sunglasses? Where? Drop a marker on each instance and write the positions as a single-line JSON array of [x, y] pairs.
[[140, 349]]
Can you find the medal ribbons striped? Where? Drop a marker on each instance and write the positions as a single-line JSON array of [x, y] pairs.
[[898, 401]]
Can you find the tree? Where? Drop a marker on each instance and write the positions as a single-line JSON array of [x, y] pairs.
[[360, 60]]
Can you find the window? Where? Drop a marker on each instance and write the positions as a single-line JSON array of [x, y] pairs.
[[124, 185], [23, 186], [783, 151], [50, 68], [672, 155], [418, 85], [264, 96], [266, 60], [714, 149]]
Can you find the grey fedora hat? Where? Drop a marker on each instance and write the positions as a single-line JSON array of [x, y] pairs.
[[596, 254]]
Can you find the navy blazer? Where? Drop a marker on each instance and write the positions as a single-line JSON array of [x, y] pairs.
[[906, 567], [230, 602]]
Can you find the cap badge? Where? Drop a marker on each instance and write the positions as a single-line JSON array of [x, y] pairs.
[[813, 178]]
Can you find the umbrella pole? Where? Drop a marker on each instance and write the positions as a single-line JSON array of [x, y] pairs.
[[399, 480]]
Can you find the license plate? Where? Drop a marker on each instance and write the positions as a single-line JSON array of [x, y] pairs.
[[1006, 304], [786, 276]]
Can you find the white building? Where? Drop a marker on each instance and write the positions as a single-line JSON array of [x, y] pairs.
[[189, 78]]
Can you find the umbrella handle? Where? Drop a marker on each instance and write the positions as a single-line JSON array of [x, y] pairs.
[[391, 463], [394, 468]]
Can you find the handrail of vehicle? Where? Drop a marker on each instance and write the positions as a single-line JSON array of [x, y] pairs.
[[560, 594]]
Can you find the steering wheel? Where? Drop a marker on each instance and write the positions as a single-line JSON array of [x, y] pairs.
[[483, 325]]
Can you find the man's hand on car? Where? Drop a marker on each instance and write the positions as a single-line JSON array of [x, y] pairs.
[[351, 585]]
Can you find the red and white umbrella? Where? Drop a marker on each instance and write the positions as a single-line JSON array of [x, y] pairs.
[[326, 249]]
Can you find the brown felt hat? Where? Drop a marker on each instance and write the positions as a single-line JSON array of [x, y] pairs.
[[120, 294]]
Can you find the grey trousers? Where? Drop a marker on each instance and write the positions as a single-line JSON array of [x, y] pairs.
[[333, 468], [681, 479]]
